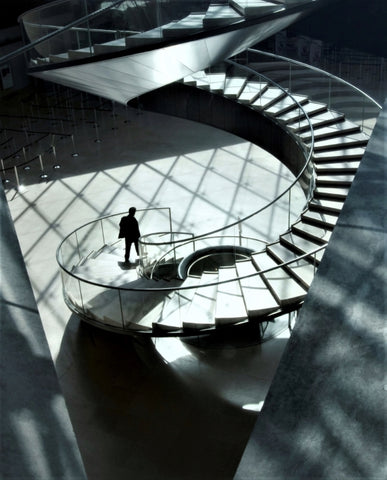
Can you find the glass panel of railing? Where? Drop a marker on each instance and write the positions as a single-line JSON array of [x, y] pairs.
[[90, 240], [141, 308], [72, 291], [93, 28], [159, 255], [317, 86], [270, 98], [101, 304], [196, 255], [68, 253]]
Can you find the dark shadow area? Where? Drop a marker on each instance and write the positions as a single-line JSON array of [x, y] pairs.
[[37, 440], [130, 406]]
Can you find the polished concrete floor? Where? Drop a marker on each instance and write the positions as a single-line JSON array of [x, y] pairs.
[[145, 409]]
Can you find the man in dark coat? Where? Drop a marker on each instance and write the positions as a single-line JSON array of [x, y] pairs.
[[130, 231]]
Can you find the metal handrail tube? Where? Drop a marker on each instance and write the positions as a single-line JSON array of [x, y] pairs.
[[193, 241], [83, 29], [308, 160], [176, 288]]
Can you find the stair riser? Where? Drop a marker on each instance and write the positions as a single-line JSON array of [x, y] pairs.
[[316, 123], [287, 109], [323, 209], [289, 270], [330, 196], [268, 104], [338, 158], [349, 144], [321, 182], [326, 170], [333, 134]]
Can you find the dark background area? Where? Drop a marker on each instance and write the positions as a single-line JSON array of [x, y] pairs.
[[356, 24]]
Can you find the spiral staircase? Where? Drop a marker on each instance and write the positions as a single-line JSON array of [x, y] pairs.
[[273, 281], [256, 286]]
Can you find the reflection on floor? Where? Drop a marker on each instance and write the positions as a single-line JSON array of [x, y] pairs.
[[167, 409]]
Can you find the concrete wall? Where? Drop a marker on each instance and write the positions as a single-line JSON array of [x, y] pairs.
[[37, 440]]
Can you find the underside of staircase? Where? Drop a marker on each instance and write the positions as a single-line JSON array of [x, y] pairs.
[[160, 53]]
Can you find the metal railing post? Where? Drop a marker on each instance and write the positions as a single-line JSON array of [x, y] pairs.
[[103, 233], [121, 310], [78, 249]]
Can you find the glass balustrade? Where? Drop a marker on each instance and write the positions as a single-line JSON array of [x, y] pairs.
[[81, 28], [167, 256], [318, 85]]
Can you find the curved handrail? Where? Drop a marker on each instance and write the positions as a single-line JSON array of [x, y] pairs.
[[296, 180], [239, 221], [282, 9], [190, 287], [316, 69], [193, 240]]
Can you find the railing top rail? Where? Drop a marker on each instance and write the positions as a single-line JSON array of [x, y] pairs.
[[318, 70], [298, 177], [210, 284]]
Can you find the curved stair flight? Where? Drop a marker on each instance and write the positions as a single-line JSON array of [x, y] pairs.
[[145, 60], [206, 303], [188, 49]]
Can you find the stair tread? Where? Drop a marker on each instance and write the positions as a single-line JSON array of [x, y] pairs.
[[253, 8], [316, 120], [201, 311], [218, 15], [339, 167], [177, 306], [81, 53], [310, 108], [340, 153], [319, 234], [59, 57], [269, 96], [283, 286], [230, 306], [192, 23], [149, 36], [352, 139], [285, 104], [301, 244], [302, 269], [251, 91], [327, 205], [338, 178], [323, 218], [233, 86], [216, 81], [332, 192], [258, 299], [332, 130]]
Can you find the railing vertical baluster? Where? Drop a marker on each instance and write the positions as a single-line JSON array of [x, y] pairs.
[[121, 310], [78, 249], [81, 297], [103, 233], [290, 199]]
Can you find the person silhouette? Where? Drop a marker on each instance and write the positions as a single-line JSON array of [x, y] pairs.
[[130, 231]]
